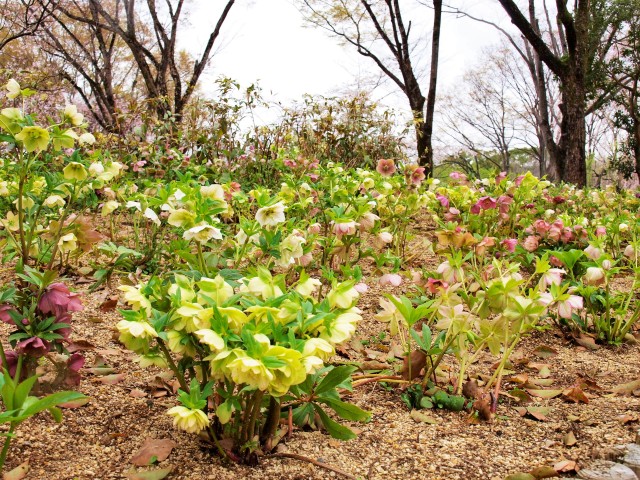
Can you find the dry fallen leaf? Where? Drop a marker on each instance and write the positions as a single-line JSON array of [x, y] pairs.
[[569, 439], [587, 342], [565, 466], [153, 450], [545, 352], [17, 473], [421, 417], [112, 379], [544, 472], [137, 393], [544, 393], [575, 394], [537, 413], [418, 361], [149, 475], [109, 304], [626, 388]]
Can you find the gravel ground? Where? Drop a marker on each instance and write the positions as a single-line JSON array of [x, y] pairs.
[[97, 441]]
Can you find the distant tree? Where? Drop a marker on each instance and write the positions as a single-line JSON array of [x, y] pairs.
[[159, 64], [380, 31], [486, 113], [94, 61], [586, 33], [22, 18], [624, 74]]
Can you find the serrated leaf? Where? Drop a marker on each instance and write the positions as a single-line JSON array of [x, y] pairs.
[[346, 410], [334, 378], [334, 428]]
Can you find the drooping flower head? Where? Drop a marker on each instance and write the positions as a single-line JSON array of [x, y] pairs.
[[386, 167], [57, 299]]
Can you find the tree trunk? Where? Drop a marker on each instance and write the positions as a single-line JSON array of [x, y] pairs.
[[426, 154], [572, 161], [423, 141], [636, 144]]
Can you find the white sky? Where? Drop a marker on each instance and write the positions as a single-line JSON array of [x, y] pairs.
[[265, 41]]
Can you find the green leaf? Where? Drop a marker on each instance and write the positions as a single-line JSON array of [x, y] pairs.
[[334, 378], [50, 401], [22, 391], [346, 410], [56, 413], [334, 428]]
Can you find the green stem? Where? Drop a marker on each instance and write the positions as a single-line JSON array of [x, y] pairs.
[[7, 443], [172, 365], [435, 364], [203, 264]]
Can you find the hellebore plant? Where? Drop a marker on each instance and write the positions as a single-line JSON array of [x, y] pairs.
[[40, 313], [42, 226], [245, 349]]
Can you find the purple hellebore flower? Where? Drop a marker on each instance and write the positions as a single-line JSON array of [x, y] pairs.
[[34, 347], [57, 299]]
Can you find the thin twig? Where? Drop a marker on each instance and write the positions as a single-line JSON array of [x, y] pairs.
[[315, 462]]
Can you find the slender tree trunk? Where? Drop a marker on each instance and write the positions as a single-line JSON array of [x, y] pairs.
[[426, 160], [636, 144]]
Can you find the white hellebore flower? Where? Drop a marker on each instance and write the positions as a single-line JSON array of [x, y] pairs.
[[202, 233], [270, 216], [87, 138], [151, 215]]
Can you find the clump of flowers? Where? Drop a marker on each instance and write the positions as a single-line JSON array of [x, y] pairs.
[[255, 342]]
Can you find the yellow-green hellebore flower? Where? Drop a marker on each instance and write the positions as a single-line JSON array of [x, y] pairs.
[[4, 189], [181, 218], [250, 371], [318, 347], [27, 203], [135, 298], [342, 296], [109, 207], [72, 115], [37, 185], [68, 243], [10, 120], [75, 171], [34, 138], [215, 289], [210, 338], [11, 222], [13, 89], [154, 359], [202, 233], [191, 421], [214, 192]]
